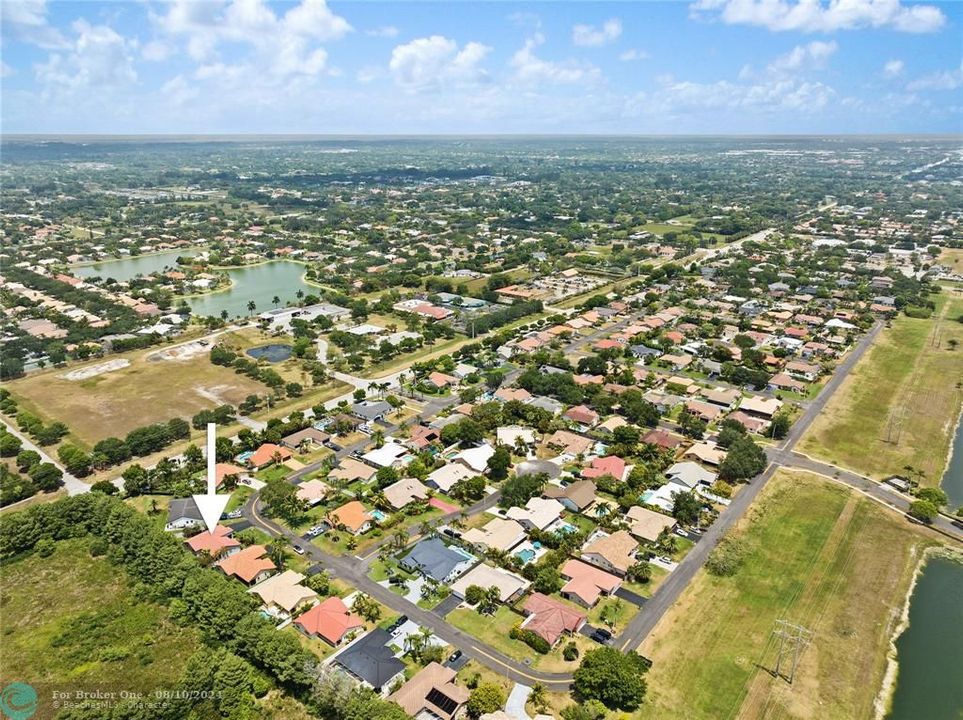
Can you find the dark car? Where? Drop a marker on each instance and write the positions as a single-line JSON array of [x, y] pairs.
[[454, 656], [601, 635]]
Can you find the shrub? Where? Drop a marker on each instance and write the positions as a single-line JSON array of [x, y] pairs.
[[726, 558], [570, 652]]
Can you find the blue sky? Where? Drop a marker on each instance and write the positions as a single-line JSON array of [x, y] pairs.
[[693, 66]]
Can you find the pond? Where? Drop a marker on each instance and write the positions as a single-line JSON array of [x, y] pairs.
[[129, 268], [930, 650], [259, 284], [953, 477], [272, 353]]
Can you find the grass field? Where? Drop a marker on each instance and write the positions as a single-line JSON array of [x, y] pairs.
[[904, 375], [70, 622], [114, 403], [817, 555]]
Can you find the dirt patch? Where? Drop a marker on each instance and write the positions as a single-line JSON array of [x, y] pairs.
[[94, 370]]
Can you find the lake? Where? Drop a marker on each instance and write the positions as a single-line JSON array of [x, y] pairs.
[[930, 651], [953, 477], [260, 283], [272, 353], [128, 268]]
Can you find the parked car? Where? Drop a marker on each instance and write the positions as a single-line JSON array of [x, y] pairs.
[[681, 533], [454, 656], [299, 550], [601, 636]]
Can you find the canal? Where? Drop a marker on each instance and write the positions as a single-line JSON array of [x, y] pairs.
[[952, 482], [930, 651]]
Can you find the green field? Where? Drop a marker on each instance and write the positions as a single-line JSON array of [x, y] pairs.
[[900, 403], [71, 622], [817, 555]]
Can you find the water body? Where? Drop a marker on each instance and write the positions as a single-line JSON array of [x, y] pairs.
[[930, 651], [953, 477], [129, 268], [272, 353], [260, 283]]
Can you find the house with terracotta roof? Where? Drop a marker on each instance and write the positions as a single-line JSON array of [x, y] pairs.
[[586, 583], [250, 565], [439, 380], [583, 416], [611, 465], [223, 469], [550, 619], [353, 516], [422, 436], [330, 620], [267, 454], [432, 693], [662, 439], [313, 491], [283, 594], [507, 394], [217, 544], [614, 553], [782, 381]]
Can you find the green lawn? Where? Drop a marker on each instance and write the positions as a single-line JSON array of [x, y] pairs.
[[275, 472], [813, 557], [71, 622], [903, 375], [493, 630], [619, 612]]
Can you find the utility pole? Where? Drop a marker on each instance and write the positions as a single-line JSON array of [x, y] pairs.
[[793, 640]]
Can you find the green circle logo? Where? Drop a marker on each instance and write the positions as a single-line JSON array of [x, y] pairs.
[[18, 701]]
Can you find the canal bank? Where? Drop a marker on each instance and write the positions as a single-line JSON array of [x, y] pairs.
[[926, 649], [952, 481], [123, 269]]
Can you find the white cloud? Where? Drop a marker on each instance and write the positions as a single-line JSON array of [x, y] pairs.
[[156, 51], [820, 16], [591, 36], [893, 68], [6, 70], [385, 31], [434, 61], [943, 80], [633, 54], [98, 58], [529, 68], [178, 91], [804, 57], [26, 20]]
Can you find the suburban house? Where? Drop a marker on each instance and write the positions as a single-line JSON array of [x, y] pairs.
[[435, 560], [704, 410], [350, 470], [330, 620], [576, 496], [690, 474], [761, 406], [706, 452], [431, 694], [283, 594], [587, 583], [250, 565], [404, 492], [217, 544], [371, 662], [352, 516], [614, 553], [422, 436], [476, 458], [371, 410], [445, 477], [662, 439], [506, 394], [512, 434], [550, 619], [583, 416], [569, 443], [267, 454], [782, 381], [305, 439], [222, 470], [313, 491], [182, 513], [388, 455], [510, 586], [647, 524], [440, 381], [497, 534], [611, 465], [538, 513]]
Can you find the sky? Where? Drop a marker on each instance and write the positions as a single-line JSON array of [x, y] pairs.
[[307, 66]]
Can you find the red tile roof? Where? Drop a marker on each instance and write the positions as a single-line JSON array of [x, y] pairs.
[[549, 618], [330, 620], [215, 543]]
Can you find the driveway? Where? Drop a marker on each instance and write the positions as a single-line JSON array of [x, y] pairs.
[[630, 596], [516, 702], [446, 605], [73, 485]]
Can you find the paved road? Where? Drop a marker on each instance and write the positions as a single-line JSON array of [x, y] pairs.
[[74, 485]]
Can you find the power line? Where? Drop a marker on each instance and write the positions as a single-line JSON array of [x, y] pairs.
[[793, 640]]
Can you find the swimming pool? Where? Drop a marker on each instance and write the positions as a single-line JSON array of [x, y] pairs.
[[566, 528], [378, 515], [526, 555], [646, 496]]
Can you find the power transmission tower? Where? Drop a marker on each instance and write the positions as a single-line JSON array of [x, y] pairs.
[[793, 640]]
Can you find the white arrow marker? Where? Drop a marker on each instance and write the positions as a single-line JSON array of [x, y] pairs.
[[211, 505]]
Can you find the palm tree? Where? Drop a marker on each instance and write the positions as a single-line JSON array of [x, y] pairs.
[[378, 438], [276, 300], [299, 295], [276, 551], [251, 306], [538, 697], [224, 314]]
